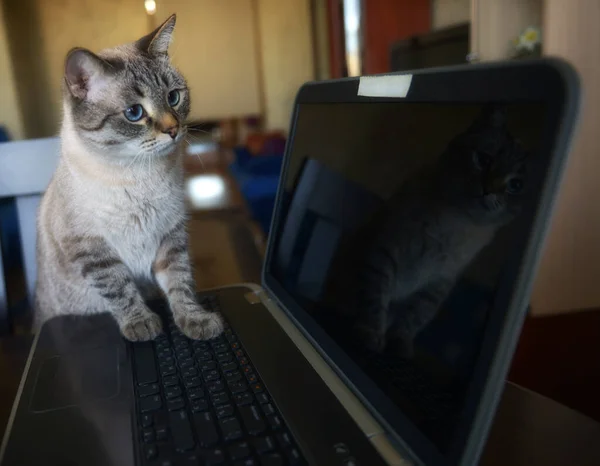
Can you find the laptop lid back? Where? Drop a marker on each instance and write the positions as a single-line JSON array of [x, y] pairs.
[[410, 216]]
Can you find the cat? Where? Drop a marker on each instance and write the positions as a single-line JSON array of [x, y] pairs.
[[112, 223], [401, 266]]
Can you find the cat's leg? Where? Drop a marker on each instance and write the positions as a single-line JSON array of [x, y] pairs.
[[413, 314], [173, 272], [103, 271]]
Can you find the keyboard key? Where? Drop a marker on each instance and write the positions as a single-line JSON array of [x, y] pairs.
[[262, 398], [210, 376], [191, 382], [242, 399], [251, 378], [164, 352], [175, 404], [268, 409], [173, 391], [229, 366], [191, 460], [239, 353], [246, 369], [208, 365], [147, 390], [206, 429], [145, 367], [238, 387], [189, 372], [239, 451], [148, 436], [271, 459], [246, 462], [200, 345], [203, 356], [231, 428], [224, 411], [221, 348], [146, 420], [161, 433], [294, 457], [162, 359], [232, 377], [181, 430], [170, 380], [150, 403], [235, 345], [257, 387], [219, 398], [186, 363], [196, 393], [264, 444], [243, 360], [275, 422], [216, 386], [182, 350], [150, 452], [199, 406], [284, 439], [225, 357], [167, 370], [214, 457], [252, 420]]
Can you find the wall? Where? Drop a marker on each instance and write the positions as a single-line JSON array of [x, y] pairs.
[[321, 38], [496, 23], [286, 52], [570, 268], [10, 114], [446, 13], [214, 46], [216, 49]]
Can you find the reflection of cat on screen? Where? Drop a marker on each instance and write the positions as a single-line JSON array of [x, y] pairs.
[[405, 262]]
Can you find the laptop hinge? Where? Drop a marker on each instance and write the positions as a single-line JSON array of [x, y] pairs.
[[256, 297]]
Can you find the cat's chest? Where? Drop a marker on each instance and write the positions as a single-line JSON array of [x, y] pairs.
[[135, 224]]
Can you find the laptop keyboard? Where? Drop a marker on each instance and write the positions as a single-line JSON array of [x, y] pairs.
[[202, 402]]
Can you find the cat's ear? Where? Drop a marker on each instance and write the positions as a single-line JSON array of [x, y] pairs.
[[85, 73], [157, 42]]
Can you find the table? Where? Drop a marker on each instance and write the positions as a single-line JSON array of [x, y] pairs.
[[528, 430]]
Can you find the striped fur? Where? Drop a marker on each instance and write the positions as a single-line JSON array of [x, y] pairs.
[[111, 226]]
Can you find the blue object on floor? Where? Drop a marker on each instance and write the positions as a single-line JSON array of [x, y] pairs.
[[258, 179]]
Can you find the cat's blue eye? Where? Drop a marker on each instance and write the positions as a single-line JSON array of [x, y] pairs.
[[134, 113], [514, 185], [173, 98]]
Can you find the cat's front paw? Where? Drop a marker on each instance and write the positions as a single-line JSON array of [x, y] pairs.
[[369, 339], [199, 324], [143, 327]]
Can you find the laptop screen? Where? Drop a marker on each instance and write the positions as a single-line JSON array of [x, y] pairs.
[[400, 226]]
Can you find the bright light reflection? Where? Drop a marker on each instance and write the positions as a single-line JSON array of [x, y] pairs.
[[150, 6], [205, 190]]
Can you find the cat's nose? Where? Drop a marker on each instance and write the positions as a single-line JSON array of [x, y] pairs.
[[167, 124], [172, 131]]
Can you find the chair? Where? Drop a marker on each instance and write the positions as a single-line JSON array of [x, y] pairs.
[[25, 171]]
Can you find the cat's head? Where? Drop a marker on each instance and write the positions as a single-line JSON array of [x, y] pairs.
[[128, 101], [484, 168]]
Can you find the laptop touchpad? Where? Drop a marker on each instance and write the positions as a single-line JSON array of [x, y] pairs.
[[76, 379]]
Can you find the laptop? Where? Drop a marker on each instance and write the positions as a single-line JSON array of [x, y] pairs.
[[409, 218]]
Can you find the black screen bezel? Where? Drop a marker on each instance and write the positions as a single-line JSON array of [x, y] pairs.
[[551, 83]]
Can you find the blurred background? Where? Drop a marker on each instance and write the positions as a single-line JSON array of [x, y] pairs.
[[245, 60]]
